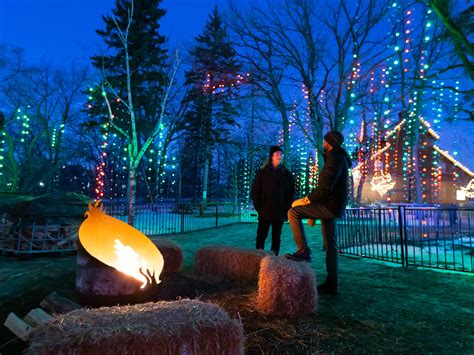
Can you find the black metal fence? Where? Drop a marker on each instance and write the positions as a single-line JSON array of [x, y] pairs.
[[171, 217], [430, 237], [419, 236], [19, 237]]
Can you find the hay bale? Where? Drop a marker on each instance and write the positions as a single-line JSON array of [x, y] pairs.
[[229, 263], [286, 287], [172, 255], [179, 327]]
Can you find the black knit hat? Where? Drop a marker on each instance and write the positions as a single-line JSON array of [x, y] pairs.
[[274, 149], [334, 138]]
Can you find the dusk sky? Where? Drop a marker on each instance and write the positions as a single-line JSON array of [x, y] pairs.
[[64, 30]]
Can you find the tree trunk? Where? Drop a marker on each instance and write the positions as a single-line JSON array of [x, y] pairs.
[[416, 163], [180, 177], [218, 171], [250, 152], [318, 126], [286, 137], [15, 176], [319, 148], [461, 42], [360, 186], [205, 174], [131, 196]]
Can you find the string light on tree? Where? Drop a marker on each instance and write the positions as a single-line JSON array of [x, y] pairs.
[[2, 158]]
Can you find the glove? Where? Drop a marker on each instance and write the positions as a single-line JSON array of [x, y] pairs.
[[301, 202]]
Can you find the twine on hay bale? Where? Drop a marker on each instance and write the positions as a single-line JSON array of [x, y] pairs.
[[179, 327], [229, 263], [286, 287], [172, 255]]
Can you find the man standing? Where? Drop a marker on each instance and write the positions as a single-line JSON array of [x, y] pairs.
[[326, 202], [272, 193]]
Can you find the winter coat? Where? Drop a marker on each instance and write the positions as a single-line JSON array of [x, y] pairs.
[[273, 191], [333, 182]]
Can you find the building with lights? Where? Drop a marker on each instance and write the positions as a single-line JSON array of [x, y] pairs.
[[387, 174]]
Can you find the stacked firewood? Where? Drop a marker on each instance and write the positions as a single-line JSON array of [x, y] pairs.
[[21, 238], [52, 305]]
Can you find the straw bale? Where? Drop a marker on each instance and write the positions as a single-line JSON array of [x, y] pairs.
[[229, 263], [172, 255], [178, 327], [286, 287]]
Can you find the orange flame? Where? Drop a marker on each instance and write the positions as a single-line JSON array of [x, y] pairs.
[[119, 245]]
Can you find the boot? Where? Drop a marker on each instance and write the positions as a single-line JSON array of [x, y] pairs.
[[328, 288], [301, 255]]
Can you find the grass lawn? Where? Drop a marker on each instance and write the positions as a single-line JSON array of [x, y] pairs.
[[381, 308]]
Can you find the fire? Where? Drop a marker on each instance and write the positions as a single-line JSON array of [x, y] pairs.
[[120, 246], [129, 262]]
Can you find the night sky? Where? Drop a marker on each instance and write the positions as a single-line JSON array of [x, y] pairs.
[[60, 31]]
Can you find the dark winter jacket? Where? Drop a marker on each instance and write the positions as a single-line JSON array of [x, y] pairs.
[[333, 182], [273, 192]]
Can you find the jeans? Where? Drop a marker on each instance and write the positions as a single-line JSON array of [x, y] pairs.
[[328, 229], [262, 232]]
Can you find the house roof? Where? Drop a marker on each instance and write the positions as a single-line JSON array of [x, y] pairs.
[[444, 153]]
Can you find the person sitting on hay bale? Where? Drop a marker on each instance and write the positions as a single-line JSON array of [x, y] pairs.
[[326, 202], [272, 193]]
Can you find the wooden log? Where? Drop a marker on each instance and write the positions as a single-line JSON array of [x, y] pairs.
[[56, 303], [39, 234], [37, 316], [72, 237], [18, 326], [25, 242]]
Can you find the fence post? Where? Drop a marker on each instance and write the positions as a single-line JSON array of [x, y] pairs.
[[19, 235], [182, 216], [402, 230], [380, 225], [239, 212]]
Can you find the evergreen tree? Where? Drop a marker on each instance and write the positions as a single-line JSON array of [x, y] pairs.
[[147, 60], [212, 80]]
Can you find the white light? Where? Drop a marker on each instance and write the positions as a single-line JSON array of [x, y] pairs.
[[460, 195], [466, 192], [382, 183]]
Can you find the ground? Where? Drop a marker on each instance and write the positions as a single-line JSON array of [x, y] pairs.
[[381, 308]]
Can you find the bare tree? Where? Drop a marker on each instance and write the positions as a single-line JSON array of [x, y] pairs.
[[458, 29], [136, 147], [321, 51], [298, 42], [401, 87], [419, 63], [42, 106], [256, 48], [11, 62]]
